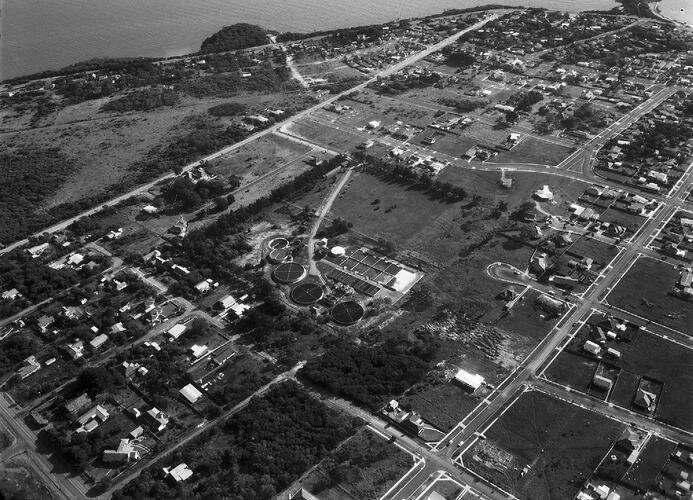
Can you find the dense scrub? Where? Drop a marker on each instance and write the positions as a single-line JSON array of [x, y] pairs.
[[142, 100], [368, 376], [235, 37], [29, 177], [257, 453]]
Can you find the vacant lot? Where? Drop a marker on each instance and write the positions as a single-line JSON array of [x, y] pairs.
[[258, 158], [328, 137], [645, 471], [526, 320], [644, 291], [562, 442], [531, 150], [602, 253], [362, 468], [391, 211]]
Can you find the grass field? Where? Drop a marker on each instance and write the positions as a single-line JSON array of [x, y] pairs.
[[645, 355], [643, 473], [400, 214], [630, 221], [327, 137], [531, 150], [363, 468], [526, 319], [644, 291], [258, 158], [601, 253], [562, 443], [442, 402]]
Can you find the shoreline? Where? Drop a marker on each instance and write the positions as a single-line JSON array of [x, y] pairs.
[[658, 13]]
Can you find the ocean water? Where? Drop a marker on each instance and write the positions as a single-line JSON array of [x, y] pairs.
[[677, 10], [48, 34]]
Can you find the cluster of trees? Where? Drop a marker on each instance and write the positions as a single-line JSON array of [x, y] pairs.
[[462, 105], [395, 87], [29, 178], [235, 37], [258, 452], [403, 174], [368, 376], [584, 117], [523, 101], [34, 280], [143, 100], [16, 348], [459, 58], [188, 195], [227, 109], [657, 137]]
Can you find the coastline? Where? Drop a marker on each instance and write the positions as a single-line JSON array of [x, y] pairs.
[[657, 11]]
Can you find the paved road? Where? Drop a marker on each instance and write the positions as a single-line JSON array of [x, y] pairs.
[[224, 151]]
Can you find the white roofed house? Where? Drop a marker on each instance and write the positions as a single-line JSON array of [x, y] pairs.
[[468, 380], [176, 331], [197, 351], [98, 341], [11, 294], [191, 393], [156, 419], [125, 453], [29, 367], [179, 473]]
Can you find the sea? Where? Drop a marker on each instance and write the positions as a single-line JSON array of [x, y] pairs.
[[37, 35]]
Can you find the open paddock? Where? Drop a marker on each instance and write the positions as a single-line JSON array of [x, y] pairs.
[[644, 473], [602, 253], [631, 222], [527, 320], [381, 209], [645, 290], [533, 150], [327, 137], [257, 158]]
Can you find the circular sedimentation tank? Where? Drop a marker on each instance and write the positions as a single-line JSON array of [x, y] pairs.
[[289, 273], [347, 313], [306, 294]]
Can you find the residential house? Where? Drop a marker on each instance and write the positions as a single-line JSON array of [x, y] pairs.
[[179, 473], [29, 367], [156, 419], [125, 453]]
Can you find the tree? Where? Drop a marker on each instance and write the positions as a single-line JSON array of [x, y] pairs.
[[95, 380]]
